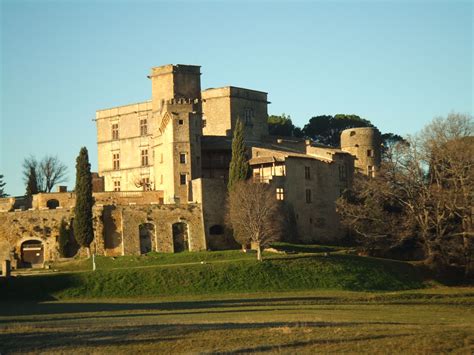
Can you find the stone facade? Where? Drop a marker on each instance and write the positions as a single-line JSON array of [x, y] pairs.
[[163, 169]]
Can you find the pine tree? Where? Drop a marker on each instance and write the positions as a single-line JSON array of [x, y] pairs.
[[32, 185], [2, 184], [239, 166], [63, 238], [83, 229]]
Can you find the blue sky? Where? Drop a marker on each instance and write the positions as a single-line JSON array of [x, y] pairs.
[[396, 63]]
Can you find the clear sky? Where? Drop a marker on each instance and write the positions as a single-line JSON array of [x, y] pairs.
[[396, 63]]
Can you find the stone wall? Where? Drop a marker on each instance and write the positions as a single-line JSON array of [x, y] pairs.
[[211, 193], [116, 229]]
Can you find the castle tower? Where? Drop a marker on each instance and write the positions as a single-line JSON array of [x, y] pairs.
[[365, 144], [177, 109]]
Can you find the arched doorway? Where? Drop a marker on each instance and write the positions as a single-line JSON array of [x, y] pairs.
[[52, 204], [180, 237], [32, 253], [146, 232]]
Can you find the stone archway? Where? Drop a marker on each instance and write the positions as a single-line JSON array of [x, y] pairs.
[[32, 253], [180, 237], [52, 204], [146, 232]]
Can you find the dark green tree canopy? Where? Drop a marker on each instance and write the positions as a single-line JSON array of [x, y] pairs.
[[326, 129], [32, 184], [83, 229], [283, 126], [239, 167], [2, 190]]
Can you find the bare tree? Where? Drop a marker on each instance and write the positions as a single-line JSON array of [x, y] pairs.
[[255, 215], [50, 171], [431, 179]]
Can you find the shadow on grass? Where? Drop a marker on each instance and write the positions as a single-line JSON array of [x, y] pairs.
[[88, 336]]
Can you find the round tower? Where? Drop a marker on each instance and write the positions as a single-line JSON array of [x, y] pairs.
[[365, 144]]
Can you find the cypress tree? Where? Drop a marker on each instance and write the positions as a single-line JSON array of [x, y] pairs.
[[32, 185], [63, 238], [83, 230], [239, 166], [2, 184]]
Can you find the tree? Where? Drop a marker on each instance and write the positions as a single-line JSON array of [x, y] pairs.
[[389, 143], [283, 126], [327, 129], [49, 171], [63, 238], [83, 228], [2, 185], [430, 178], [239, 167], [255, 215], [32, 184]]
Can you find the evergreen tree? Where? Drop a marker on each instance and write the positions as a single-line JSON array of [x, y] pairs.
[[2, 190], [63, 238], [239, 166], [83, 229], [32, 184]]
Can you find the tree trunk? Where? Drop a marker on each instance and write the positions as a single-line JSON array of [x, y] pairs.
[[259, 252], [467, 254]]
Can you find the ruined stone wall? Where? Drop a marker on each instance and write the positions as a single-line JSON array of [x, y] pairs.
[[162, 217], [211, 193]]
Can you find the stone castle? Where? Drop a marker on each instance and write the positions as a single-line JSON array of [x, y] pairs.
[[163, 168]]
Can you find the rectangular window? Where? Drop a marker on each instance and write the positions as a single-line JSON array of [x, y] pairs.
[[116, 161], [307, 173], [308, 195], [161, 179], [370, 171], [143, 127], [115, 131], [342, 172], [182, 158], [117, 185], [146, 184], [161, 158], [370, 153], [204, 122], [248, 116], [180, 122], [145, 157], [280, 194], [182, 179]]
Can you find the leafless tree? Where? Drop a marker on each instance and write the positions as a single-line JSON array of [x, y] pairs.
[[431, 179], [50, 171], [255, 215]]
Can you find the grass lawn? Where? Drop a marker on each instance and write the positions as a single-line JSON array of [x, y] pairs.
[[422, 321]]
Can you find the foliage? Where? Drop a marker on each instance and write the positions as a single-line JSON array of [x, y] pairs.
[[390, 141], [430, 181], [32, 184], [327, 129], [239, 167], [283, 126], [2, 185], [63, 238], [83, 229], [48, 172], [255, 215]]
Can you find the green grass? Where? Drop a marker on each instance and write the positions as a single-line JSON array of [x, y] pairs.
[[151, 259], [280, 273], [306, 322]]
